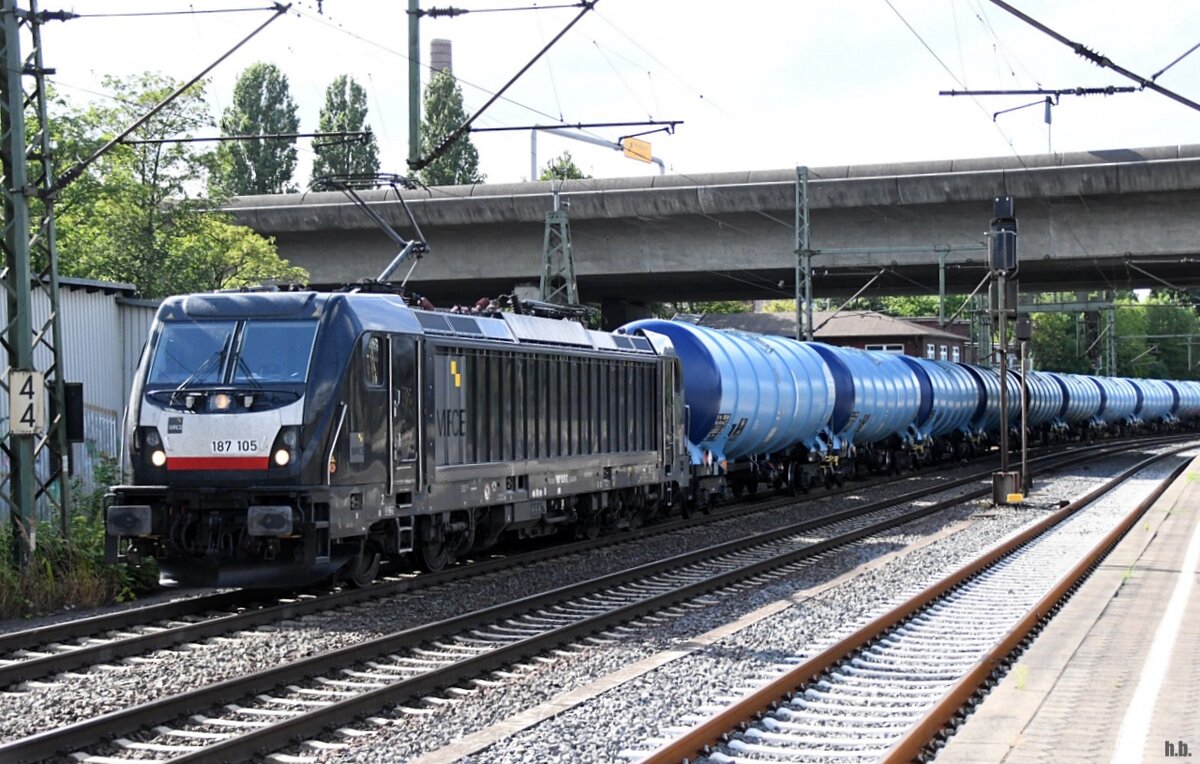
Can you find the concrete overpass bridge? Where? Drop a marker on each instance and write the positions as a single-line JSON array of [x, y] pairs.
[[1097, 220]]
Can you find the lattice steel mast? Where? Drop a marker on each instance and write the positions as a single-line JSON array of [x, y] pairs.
[[30, 267]]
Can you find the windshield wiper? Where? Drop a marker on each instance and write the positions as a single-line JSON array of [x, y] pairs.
[[204, 368], [250, 377]]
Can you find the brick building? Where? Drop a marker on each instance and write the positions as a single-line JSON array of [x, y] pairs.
[[858, 329]]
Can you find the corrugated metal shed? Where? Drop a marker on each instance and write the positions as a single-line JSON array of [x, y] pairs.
[[104, 329]]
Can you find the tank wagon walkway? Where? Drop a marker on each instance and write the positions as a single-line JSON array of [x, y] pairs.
[[1115, 677]]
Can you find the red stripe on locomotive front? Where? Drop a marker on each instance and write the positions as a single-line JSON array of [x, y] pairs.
[[216, 463]]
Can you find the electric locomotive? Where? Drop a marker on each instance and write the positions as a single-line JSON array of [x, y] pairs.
[[283, 437]]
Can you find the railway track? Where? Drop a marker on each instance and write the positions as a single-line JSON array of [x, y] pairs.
[[890, 689], [269, 709], [42, 652]]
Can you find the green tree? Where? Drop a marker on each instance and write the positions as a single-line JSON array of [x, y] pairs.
[[136, 215], [443, 114], [562, 167], [345, 110], [262, 105], [668, 309], [1055, 344]]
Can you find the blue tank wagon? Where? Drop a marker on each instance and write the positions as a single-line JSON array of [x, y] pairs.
[[756, 403]]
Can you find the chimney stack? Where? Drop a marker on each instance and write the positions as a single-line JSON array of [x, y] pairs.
[[439, 55]]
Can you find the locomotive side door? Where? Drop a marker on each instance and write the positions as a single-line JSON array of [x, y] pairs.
[[405, 424]]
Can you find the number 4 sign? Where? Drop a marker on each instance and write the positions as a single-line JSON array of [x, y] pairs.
[[26, 402]]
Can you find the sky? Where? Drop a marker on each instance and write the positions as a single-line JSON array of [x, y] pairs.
[[759, 84]]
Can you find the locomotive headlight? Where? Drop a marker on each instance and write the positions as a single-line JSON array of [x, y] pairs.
[[158, 457], [152, 438], [220, 402], [286, 446]]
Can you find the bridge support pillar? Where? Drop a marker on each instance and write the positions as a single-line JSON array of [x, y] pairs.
[[615, 313]]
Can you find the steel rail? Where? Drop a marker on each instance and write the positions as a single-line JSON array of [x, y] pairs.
[[250, 617], [910, 746], [285, 732], [87, 733], [140, 616], [701, 737], [91, 732], [254, 613]]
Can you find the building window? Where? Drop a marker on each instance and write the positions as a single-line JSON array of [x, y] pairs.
[[887, 348], [930, 351], [945, 353], [955, 354]]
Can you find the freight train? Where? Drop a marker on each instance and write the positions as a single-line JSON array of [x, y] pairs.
[[279, 438]]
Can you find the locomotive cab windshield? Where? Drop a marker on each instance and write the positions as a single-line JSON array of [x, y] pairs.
[[254, 353]]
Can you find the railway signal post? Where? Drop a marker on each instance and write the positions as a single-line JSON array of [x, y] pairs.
[[1002, 261]]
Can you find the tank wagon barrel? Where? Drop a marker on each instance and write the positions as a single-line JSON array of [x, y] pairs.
[[1189, 399], [877, 395], [1119, 400], [1044, 399], [1081, 399], [747, 395], [948, 396], [1159, 400]]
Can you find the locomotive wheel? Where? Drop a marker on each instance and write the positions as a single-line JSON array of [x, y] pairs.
[[681, 505], [363, 568], [590, 529], [434, 555]]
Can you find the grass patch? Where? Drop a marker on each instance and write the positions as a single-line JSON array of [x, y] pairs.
[[70, 573]]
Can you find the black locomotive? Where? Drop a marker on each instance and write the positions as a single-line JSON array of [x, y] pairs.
[[282, 437]]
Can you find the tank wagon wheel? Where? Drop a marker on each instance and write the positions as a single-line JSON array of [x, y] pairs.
[[363, 567], [794, 482]]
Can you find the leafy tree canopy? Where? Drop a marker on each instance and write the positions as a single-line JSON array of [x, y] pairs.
[[137, 215], [443, 114], [1152, 338], [562, 167], [262, 105], [669, 309], [345, 110]]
